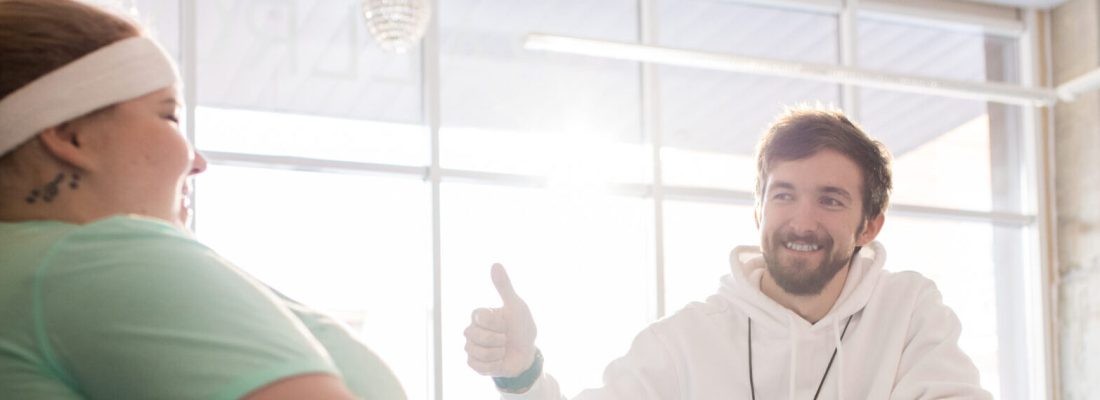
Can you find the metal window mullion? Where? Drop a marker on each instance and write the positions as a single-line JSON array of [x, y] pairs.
[[848, 32], [1007, 173], [312, 164], [745, 198], [650, 121], [1040, 285], [1049, 231], [430, 92], [189, 75], [993, 19], [815, 6], [680, 193]]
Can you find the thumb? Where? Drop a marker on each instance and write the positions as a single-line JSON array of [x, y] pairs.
[[504, 286]]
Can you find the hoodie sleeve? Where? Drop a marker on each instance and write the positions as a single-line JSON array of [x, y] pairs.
[[932, 364], [646, 372]]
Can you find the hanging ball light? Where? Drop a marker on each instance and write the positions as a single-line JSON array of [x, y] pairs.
[[397, 25]]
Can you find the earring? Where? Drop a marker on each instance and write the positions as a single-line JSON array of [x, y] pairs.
[[75, 181]]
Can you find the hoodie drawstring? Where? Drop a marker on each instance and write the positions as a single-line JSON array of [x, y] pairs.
[[839, 360], [839, 339], [794, 356]]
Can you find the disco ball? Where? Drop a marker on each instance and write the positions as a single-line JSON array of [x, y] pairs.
[[397, 25]]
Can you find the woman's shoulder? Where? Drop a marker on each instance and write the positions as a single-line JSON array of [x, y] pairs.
[[29, 247], [127, 237], [55, 235], [126, 250]]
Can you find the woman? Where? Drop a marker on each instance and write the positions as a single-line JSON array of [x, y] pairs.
[[103, 294]]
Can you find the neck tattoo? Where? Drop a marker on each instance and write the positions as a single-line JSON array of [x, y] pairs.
[[50, 191], [752, 384]]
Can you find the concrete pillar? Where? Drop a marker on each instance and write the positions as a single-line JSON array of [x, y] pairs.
[[1075, 37]]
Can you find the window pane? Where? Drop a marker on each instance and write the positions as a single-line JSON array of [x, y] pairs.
[[710, 120], [911, 49], [969, 157], [301, 56], [945, 148], [584, 264], [507, 109], [356, 247], [698, 240], [952, 169], [949, 152]]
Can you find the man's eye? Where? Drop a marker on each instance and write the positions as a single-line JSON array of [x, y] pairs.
[[831, 202]]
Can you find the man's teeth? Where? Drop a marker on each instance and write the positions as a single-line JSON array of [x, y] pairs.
[[801, 246]]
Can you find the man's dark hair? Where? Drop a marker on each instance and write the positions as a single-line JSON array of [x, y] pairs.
[[803, 131]]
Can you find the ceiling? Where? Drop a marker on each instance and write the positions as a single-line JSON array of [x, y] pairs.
[[313, 57]]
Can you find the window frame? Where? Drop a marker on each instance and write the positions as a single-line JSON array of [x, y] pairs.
[[1029, 27]]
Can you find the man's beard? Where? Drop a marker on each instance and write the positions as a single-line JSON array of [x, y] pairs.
[[797, 278]]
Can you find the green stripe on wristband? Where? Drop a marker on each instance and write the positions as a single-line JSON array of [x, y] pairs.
[[524, 381]]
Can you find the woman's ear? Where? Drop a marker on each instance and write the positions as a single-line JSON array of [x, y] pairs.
[[64, 143]]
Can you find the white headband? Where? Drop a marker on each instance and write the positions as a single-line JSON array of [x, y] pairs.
[[120, 71]]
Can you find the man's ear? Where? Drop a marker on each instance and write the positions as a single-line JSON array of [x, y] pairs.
[[871, 229], [64, 143]]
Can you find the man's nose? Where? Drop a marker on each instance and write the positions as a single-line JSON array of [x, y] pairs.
[[804, 218]]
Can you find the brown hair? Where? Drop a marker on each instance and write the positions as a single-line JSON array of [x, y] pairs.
[[39, 36], [801, 132]]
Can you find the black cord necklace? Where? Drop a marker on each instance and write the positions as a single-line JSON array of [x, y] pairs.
[[752, 384]]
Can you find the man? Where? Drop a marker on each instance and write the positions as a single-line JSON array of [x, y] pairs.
[[809, 314]]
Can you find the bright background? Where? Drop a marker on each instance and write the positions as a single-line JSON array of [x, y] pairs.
[[321, 180]]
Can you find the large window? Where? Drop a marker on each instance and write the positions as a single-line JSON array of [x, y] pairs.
[[956, 155], [333, 181], [315, 238], [572, 126]]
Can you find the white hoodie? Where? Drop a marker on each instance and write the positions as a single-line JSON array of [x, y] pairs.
[[902, 343]]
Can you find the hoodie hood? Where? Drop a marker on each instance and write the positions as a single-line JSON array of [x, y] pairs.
[[742, 288]]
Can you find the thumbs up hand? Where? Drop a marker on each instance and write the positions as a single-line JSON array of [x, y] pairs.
[[500, 342]]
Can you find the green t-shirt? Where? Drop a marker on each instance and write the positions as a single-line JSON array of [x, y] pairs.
[[130, 307]]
